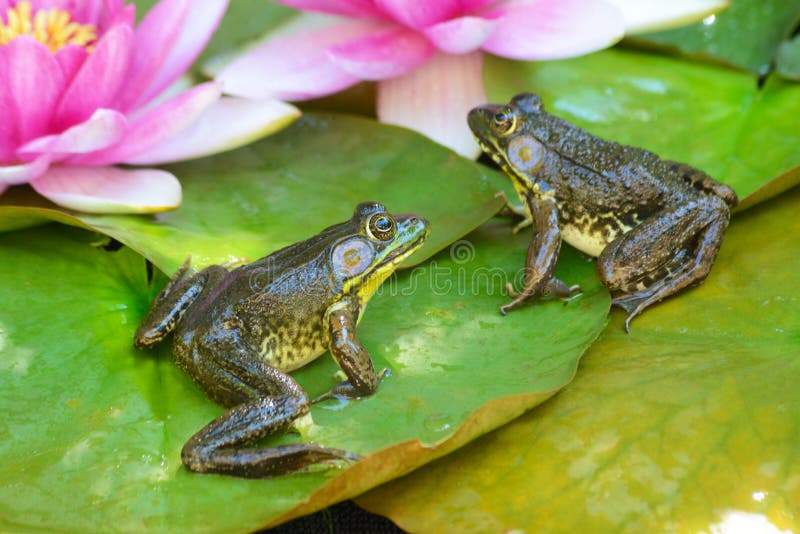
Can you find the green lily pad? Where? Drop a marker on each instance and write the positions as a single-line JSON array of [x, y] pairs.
[[710, 117], [746, 35], [690, 423], [94, 428], [248, 202], [244, 21], [788, 59]]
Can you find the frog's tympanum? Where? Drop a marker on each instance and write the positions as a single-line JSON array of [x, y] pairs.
[[654, 225], [238, 333]]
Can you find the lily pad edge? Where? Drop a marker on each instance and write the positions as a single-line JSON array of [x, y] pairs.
[[347, 485]]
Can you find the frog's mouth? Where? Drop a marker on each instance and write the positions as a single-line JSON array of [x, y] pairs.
[[477, 121], [387, 264], [397, 255]]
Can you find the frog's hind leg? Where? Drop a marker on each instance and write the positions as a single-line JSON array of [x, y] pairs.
[[273, 401], [643, 267], [703, 182]]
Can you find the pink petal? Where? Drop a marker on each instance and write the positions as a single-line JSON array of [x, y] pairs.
[[70, 58], [381, 55], [3, 187], [86, 12], [168, 40], [99, 79], [294, 67], [30, 84], [109, 189], [435, 99], [421, 14], [228, 124], [349, 8], [552, 29], [116, 12], [461, 35], [104, 128], [156, 126], [24, 172]]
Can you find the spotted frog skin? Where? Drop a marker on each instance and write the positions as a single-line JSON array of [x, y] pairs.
[[238, 333], [655, 226]]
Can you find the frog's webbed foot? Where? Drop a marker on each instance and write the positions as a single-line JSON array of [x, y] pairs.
[[553, 289], [347, 390], [515, 211], [634, 304], [217, 447], [273, 403], [653, 275]]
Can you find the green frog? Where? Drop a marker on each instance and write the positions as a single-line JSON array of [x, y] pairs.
[[655, 226], [238, 333]]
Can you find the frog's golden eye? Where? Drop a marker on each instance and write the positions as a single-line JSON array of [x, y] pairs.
[[504, 121], [381, 226]]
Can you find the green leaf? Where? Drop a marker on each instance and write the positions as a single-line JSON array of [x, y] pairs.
[[95, 427], [709, 117], [689, 423], [788, 60], [746, 35], [245, 21], [251, 201]]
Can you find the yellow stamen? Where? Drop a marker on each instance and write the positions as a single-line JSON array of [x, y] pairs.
[[52, 27]]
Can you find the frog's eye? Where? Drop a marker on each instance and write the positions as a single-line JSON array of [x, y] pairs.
[[381, 226], [504, 121]]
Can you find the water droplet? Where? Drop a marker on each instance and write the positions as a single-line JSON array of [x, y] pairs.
[[438, 422]]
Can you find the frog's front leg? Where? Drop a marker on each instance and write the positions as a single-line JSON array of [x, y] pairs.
[[641, 266], [172, 302], [341, 320], [272, 402], [542, 256]]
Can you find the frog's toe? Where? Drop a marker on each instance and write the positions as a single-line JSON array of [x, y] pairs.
[[518, 300], [633, 304], [557, 289], [235, 262], [524, 223], [513, 293]]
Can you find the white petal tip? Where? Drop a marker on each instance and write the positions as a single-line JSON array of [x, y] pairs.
[[645, 17], [110, 190]]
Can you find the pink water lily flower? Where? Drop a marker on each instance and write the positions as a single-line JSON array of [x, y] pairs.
[[427, 55], [82, 89]]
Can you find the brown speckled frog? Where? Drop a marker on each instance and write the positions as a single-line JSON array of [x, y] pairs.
[[238, 333], [654, 225]]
